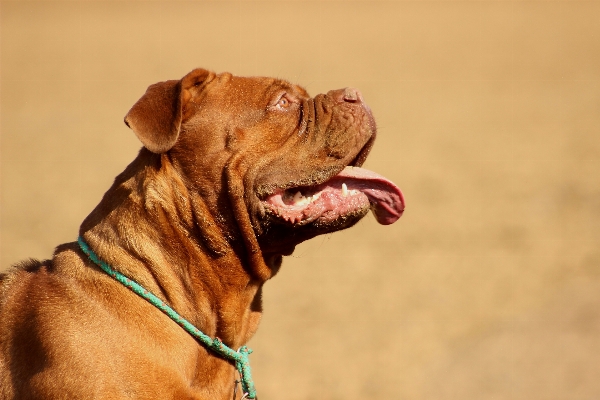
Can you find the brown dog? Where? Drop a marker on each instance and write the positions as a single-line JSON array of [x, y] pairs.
[[234, 173]]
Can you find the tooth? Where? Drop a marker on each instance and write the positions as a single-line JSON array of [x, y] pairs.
[[297, 197], [344, 190]]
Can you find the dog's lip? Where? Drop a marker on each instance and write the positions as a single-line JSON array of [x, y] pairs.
[[317, 178], [348, 192], [314, 179]]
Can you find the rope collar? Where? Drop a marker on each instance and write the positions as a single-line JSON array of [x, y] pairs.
[[240, 357]]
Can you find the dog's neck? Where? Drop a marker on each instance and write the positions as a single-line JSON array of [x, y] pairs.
[[151, 228]]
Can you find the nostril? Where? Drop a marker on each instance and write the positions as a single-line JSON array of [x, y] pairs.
[[351, 95]]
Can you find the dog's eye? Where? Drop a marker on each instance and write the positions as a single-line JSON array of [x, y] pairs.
[[283, 102]]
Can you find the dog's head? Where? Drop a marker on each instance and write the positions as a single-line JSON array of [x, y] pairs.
[[267, 157]]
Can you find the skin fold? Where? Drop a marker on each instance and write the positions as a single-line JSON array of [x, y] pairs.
[[188, 219]]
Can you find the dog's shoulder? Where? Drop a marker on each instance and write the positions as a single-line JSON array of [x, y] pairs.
[[24, 272], [16, 271], [28, 265]]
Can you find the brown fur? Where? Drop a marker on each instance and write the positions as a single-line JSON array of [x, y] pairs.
[[184, 220]]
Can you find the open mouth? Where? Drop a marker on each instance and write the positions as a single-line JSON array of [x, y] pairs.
[[351, 192]]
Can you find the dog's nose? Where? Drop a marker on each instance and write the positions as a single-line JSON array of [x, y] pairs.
[[347, 95], [351, 95]]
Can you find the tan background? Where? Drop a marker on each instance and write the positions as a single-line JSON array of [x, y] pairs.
[[489, 118]]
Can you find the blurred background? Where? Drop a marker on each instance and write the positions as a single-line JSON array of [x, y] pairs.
[[489, 120]]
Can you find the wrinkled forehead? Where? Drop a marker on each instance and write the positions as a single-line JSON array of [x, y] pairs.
[[256, 89]]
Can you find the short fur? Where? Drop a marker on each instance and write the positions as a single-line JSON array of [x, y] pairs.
[[184, 220]]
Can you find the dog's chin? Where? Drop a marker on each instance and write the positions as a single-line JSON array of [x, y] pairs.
[[281, 236]]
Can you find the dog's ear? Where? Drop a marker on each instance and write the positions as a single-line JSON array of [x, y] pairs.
[[156, 117], [191, 86]]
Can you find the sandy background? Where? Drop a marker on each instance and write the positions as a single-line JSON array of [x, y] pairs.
[[489, 120]]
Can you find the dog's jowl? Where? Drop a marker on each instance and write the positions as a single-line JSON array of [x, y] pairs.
[[161, 291]]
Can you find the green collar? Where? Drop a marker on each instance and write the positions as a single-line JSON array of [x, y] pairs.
[[240, 357]]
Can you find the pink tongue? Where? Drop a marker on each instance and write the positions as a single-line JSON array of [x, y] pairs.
[[387, 201]]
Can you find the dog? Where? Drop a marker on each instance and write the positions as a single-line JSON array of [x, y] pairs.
[[234, 172]]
